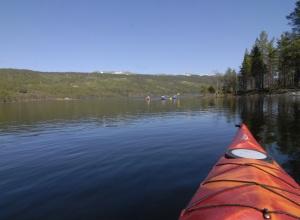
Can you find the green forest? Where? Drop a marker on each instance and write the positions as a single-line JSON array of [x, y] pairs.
[[273, 64], [18, 85]]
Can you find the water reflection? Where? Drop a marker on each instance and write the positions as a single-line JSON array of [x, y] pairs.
[[75, 154], [275, 122], [108, 112]]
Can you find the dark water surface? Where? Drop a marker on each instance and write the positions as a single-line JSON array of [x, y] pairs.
[[128, 159]]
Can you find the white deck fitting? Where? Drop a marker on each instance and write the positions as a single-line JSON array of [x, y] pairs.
[[250, 154]]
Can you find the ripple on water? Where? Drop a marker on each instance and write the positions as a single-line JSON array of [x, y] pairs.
[[133, 161]]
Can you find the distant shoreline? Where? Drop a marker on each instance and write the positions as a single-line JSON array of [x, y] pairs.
[[142, 98], [26, 85]]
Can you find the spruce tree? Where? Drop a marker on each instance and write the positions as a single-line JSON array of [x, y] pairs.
[[294, 18], [245, 71], [258, 67]]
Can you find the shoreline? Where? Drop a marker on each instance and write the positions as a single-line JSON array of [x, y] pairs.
[[137, 97], [290, 92], [293, 91]]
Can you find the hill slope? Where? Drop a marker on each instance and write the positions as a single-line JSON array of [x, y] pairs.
[[16, 84]]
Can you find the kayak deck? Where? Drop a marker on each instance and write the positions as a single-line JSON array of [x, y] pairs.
[[240, 187]]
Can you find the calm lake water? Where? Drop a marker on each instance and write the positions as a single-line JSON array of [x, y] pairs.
[[128, 159]]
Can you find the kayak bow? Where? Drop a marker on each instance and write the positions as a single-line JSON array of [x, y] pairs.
[[246, 183]]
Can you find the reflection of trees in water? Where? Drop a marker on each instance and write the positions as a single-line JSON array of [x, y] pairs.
[[275, 122], [251, 111], [289, 133]]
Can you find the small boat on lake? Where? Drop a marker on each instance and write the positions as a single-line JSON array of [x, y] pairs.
[[246, 183], [163, 97]]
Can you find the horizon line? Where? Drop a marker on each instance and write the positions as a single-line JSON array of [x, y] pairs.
[[116, 72]]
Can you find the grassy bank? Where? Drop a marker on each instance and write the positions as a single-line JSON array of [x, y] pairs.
[[22, 85]]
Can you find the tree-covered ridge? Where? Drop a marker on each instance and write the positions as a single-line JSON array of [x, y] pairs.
[[18, 84], [273, 65]]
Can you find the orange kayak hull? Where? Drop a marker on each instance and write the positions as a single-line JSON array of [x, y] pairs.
[[240, 187]]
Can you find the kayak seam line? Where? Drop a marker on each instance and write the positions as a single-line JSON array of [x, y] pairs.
[[223, 172], [215, 194], [251, 165], [229, 163], [273, 176], [241, 205], [236, 187], [256, 165], [279, 194], [252, 182], [267, 187]]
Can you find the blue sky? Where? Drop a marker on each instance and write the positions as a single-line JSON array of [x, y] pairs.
[[145, 36]]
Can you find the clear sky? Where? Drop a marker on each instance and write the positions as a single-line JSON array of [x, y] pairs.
[[146, 36]]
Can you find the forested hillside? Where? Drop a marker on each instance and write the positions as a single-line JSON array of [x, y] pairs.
[[18, 85]]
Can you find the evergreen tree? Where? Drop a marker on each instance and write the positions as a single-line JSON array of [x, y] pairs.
[[245, 71], [268, 55], [258, 67], [285, 60], [294, 49], [295, 59], [262, 43], [272, 64], [211, 89], [294, 18]]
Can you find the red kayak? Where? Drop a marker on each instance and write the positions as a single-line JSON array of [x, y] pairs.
[[246, 183]]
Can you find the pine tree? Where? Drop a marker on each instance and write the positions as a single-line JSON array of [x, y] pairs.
[[267, 51], [294, 18], [258, 67], [295, 59], [285, 60], [245, 71], [262, 43], [272, 64]]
